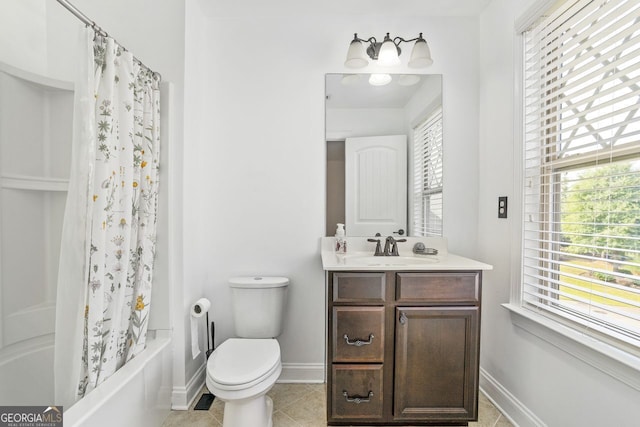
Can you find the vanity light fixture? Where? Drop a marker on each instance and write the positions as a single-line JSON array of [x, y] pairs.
[[387, 52]]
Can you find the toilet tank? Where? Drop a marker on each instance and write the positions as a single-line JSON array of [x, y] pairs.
[[258, 305]]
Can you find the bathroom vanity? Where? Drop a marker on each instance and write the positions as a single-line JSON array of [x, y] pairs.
[[403, 336]]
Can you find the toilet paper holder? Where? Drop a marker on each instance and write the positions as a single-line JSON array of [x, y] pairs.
[[203, 305], [213, 332]]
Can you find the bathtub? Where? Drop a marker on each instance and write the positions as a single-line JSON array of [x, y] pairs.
[[27, 368], [137, 395]]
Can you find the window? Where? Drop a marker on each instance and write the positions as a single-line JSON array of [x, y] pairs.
[[427, 179], [581, 211]]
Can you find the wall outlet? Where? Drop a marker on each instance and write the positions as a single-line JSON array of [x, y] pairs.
[[502, 207]]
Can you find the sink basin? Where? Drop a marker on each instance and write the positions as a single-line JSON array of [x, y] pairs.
[[370, 260]]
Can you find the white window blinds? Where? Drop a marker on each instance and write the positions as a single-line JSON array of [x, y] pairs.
[[427, 179], [581, 224]]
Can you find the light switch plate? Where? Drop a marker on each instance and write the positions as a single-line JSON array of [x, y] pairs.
[[502, 207]]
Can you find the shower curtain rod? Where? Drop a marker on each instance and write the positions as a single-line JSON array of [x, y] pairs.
[[82, 17]]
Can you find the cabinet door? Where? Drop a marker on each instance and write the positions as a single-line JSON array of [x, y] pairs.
[[436, 369]]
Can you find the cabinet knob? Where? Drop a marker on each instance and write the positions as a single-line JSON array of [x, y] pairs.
[[358, 342], [357, 399]]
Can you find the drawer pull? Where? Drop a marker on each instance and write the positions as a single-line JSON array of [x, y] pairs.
[[357, 342], [357, 399], [403, 318]]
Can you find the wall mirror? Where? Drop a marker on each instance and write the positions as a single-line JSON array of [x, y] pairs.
[[384, 154]]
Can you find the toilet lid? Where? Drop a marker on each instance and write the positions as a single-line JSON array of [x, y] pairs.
[[241, 361], [258, 282]]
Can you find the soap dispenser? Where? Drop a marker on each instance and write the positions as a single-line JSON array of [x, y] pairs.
[[341, 240]]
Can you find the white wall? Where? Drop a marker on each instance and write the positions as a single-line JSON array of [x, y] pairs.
[[260, 180], [189, 372], [23, 34], [534, 380]]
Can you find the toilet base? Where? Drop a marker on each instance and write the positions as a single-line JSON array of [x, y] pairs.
[[256, 412]]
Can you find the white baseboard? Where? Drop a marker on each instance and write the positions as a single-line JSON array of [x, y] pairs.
[[302, 373], [512, 408], [182, 397]]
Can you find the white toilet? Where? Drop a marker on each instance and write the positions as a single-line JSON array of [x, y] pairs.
[[242, 370]]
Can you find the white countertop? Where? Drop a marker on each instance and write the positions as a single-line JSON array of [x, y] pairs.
[[359, 257]]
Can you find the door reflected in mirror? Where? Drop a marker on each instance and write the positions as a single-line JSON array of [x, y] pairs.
[[384, 155]]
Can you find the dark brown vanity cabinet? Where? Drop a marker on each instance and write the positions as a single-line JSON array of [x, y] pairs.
[[403, 347]]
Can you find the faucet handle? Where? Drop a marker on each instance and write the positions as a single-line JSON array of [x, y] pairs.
[[394, 248], [378, 249]]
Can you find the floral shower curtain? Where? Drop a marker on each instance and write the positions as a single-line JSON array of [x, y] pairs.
[[108, 246]]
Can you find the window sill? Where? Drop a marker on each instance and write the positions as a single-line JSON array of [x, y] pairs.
[[611, 360]]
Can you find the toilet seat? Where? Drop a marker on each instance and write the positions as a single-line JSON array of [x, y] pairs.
[[240, 363]]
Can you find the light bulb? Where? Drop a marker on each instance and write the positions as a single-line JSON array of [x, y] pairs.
[[379, 79]]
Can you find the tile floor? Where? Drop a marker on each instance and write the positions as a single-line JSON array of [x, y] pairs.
[[304, 405]]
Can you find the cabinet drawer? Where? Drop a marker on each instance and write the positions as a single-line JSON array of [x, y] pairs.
[[358, 334], [356, 392], [458, 287], [359, 287]]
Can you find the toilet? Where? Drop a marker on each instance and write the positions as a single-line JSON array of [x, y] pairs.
[[242, 370]]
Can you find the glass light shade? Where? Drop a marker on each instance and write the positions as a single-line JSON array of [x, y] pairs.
[[379, 79], [350, 79], [356, 55], [420, 55], [388, 55], [408, 79]]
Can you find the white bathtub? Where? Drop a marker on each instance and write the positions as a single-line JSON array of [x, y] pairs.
[[26, 373], [137, 395]]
